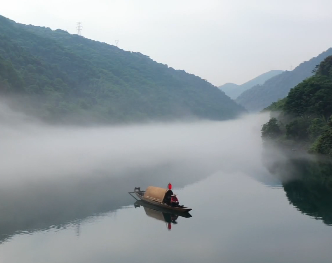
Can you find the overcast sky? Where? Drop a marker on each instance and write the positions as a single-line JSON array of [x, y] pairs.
[[219, 40]]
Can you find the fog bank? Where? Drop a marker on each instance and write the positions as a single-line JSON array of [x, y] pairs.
[[32, 151], [52, 175]]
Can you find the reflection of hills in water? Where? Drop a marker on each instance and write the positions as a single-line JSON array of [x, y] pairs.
[[287, 165], [307, 183], [47, 204], [311, 199], [161, 214]]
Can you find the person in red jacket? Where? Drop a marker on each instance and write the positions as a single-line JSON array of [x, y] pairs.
[[174, 201]]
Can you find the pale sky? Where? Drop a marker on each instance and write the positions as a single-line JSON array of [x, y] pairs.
[[218, 40]]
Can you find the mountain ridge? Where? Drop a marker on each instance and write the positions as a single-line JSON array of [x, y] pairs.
[[261, 96], [233, 90], [303, 119], [69, 75]]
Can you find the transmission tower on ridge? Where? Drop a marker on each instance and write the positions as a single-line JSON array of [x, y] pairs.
[[116, 42], [79, 28]]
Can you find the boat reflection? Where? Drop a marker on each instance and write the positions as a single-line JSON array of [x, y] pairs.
[[161, 214], [33, 206]]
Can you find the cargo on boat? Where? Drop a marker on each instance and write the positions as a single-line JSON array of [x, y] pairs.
[[161, 197]]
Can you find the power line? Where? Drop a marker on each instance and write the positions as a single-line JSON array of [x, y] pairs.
[[79, 28]]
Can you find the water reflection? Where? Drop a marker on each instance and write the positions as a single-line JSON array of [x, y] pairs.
[[307, 181], [311, 199], [161, 214], [58, 203]]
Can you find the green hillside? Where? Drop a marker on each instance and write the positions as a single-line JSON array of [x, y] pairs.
[[261, 96], [64, 77], [303, 120]]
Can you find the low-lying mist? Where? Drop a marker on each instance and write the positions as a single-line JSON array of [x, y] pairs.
[[32, 151], [51, 175]]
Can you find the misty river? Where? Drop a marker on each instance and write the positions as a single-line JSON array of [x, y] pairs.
[[64, 195]]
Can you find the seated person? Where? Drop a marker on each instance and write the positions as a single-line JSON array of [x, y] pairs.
[[174, 201]]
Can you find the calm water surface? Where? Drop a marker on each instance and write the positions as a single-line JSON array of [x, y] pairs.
[[64, 195], [235, 218]]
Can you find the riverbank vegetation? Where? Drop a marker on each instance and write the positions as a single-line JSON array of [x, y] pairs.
[[303, 120]]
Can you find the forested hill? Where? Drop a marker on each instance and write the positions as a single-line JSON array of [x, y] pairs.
[[261, 96], [68, 77], [233, 90], [303, 120]]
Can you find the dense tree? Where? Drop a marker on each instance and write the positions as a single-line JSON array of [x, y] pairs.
[[68, 75], [261, 96], [306, 111], [10, 80], [271, 130]]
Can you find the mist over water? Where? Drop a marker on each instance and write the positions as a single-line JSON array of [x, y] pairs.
[[65, 188], [52, 175], [32, 151]]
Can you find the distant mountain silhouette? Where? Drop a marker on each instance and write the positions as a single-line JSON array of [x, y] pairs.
[[233, 90], [261, 96]]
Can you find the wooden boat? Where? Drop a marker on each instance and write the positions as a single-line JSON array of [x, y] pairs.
[[159, 197]]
